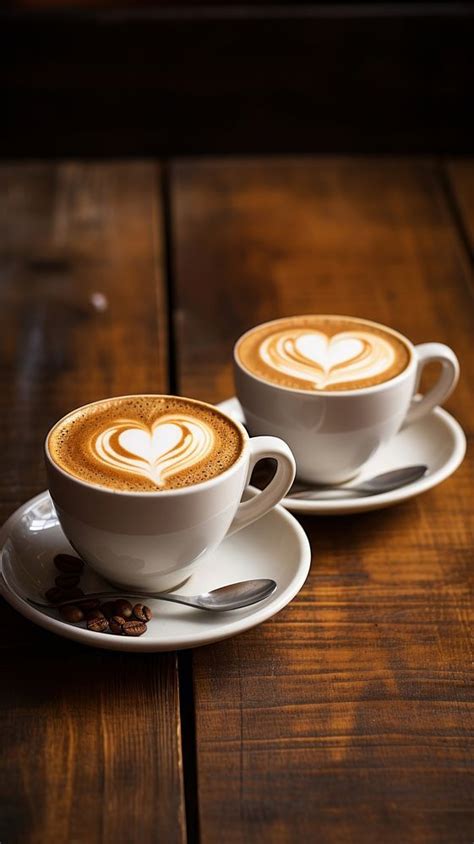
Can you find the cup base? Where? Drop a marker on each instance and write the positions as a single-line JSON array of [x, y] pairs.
[[152, 590], [148, 585], [327, 479]]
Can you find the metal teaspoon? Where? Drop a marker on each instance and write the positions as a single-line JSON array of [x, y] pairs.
[[231, 597], [373, 486]]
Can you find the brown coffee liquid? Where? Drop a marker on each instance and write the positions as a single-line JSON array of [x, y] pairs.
[[323, 353], [145, 443]]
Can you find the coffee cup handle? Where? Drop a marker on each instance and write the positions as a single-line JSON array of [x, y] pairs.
[[427, 353], [262, 502]]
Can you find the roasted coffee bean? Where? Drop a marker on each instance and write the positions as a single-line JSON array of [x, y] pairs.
[[71, 613], [55, 595], [123, 607], [142, 612], [94, 613], [108, 608], [97, 625], [67, 581], [116, 624], [134, 628], [72, 594], [68, 564], [89, 604]]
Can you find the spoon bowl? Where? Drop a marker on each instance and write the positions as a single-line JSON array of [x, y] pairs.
[[236, 595]]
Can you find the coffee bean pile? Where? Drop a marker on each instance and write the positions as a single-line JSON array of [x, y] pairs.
[[119, 617]]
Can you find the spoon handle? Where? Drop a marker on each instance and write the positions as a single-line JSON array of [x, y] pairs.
[[86, 597], [174, 598], [191, 601], [328, 493]]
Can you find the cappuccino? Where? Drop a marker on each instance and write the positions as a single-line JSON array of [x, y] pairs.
[[323, 353], [145, 443]]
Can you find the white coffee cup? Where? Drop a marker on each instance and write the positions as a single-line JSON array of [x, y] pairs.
[[332, 434], [152, 541]]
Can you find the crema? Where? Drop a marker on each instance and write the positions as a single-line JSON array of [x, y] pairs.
[[323, 353], [145, 443]]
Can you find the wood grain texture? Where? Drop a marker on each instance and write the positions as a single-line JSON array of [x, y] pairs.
[[90, 739], [347, 717], [461, 176]]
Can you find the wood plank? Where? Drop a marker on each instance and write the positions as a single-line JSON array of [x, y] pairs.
[[461, 175], [90, 739], [346, 716]]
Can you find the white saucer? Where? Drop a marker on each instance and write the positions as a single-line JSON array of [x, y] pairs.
[[438, 441], [275, 546]]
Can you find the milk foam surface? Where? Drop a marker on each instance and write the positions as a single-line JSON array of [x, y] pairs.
[[145, 443], [323, 353]]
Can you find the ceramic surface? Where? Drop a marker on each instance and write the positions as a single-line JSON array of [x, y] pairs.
[[153, 541], [436, 440], [333, 434], [276, 546]]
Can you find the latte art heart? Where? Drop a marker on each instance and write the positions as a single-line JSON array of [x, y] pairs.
[[326, 353], [145, 443], [312, 356], [175, 443]]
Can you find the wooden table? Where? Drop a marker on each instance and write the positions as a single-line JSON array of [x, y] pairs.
[[346, 718]]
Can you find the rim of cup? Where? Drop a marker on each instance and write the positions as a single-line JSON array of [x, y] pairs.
[[186, 490], [329, 393]]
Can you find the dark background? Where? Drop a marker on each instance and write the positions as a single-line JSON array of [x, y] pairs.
[[113, 77]]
